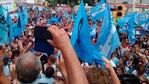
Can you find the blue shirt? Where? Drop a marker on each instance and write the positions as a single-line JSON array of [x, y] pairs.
[[46, 80]]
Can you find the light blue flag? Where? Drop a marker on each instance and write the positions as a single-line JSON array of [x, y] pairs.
[[23, 15], [128, 26], [36, 9], [17, 28], [54, 20], [98, 10], [65, 14], [81, 39], [72, 17], [146, 26], [131, 30], [36, 18], [93, 31], [121, 22], [15, 31], [9, 23], [145, 21], [8, 19], [3, 26], [108, 39], [141, 18], [44, 9], [124, 28]]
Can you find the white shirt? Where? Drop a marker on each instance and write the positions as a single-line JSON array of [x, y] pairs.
[[6, 70]]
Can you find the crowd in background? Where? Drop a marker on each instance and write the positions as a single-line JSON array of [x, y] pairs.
[[131, 63]]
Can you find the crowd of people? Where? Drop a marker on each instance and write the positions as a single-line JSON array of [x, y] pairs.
[[20, 64]]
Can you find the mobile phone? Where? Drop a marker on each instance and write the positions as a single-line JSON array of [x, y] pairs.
[[43, 46], [42, 33], [41, 36]]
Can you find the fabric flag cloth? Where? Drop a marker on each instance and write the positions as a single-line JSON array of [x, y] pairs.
[[145, 21], [146, 26], [36, 9], [93, 31], [108, 39], [8, 19], [54, 20], [81, 39], [44, 9], [3, 26], [65, 14], [97, 11], [131, 30], [127, 25], [142, 18], [36, 18], [72, 17], [23, 17], [124, 28], [9, 23], [15, 30], [121, 22]]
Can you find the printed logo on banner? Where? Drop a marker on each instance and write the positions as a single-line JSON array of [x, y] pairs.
[[110, 42], [145, 17], [99, 9], [2, 19], [23, 16]]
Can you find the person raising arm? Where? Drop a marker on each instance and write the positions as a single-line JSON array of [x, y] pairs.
[[115, 79], [74, 70]]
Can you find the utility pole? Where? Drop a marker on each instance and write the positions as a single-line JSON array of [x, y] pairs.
[[115, 3], [141, 2], [134, 5]]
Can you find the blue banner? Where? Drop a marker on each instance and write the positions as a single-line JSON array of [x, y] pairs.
[[98, 10], [23, 18], [108, 39], [131, 30], [3, 26], [93, 31], [81, 39], [15, 31]]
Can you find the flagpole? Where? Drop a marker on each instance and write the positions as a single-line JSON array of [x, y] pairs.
[[119, 53]]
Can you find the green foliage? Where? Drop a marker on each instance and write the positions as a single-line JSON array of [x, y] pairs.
[[71, 2], [125, 2]]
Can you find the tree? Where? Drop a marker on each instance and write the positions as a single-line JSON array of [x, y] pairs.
[[71, 2], [125, 2], [90, 2], [52, 3]]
